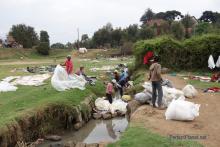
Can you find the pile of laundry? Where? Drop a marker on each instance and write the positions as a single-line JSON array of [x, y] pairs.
[[61, 81], [10, 83], [212, 89], [41, 69], [211, 63], [105, 110]]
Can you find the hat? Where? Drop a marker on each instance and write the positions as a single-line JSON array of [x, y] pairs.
[[68, 56]]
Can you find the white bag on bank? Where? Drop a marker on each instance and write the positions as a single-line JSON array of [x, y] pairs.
[[189, 91], [61, 81], [182, 110], [211, 63]]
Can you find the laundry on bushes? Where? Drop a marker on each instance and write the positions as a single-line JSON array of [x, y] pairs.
[[211, 63]]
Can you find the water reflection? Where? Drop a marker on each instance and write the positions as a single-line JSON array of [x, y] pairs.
[[96, 131]]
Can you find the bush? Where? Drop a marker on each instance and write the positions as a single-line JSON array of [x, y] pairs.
[[127, 48], [190, 54], [178, 30], [43, 48]]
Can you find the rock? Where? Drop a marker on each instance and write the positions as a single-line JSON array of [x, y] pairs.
[[53, 137], [92, 145], [56, 145], [97, 115], [119, 113], [114, 115], [106, 116], [69, 144], [78, 125], [132, 106], [80, 144]]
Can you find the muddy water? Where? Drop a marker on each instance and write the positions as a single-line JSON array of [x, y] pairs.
[[95, 131]]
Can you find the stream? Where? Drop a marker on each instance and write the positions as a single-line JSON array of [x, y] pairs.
[[94, 131]]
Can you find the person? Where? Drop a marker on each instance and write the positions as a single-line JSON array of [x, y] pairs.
[[116, 75], [122, 81], [69, 65], [81, 72], [117, 88], [109, 91], [155, 78]]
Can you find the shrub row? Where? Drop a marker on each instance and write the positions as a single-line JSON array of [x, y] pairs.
[[190, 54]]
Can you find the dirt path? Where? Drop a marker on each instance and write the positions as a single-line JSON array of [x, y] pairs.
[[207, 124]]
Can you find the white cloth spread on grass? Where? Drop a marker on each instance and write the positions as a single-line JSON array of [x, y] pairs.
[[117, 105], [61, 81], [103, 68], [211, 63], [182, 110], [35, 80], [9, 83], [218, 62], [5, 87]]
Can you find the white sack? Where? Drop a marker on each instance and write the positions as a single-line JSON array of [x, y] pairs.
[[35, 80], [182, 110], [211, 63], [82, 50], [218, 62], [61, 81], [102, 104], [143, 97], [189, 91], [5, 87]]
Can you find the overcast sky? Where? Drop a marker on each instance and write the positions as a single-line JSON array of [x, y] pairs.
[[61, 18]]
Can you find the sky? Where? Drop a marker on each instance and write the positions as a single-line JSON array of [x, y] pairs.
[[61, 18]]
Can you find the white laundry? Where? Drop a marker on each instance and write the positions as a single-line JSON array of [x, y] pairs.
[[103, 68], [5, 87], [189, 91], [82, 50], [211, 63], [61, 81], [103, 105], [35, 80], [218, 62], [182, 110]]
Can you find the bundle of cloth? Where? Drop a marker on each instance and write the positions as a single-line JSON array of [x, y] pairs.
[[61, 81], [117, 105]]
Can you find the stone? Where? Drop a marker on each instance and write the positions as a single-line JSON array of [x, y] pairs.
[[78, 125], [80, 144], [106, 116], [92, 145], [114, 115], [97, 115], [132, 106], [119, 113], [53, 137], [69, 144]]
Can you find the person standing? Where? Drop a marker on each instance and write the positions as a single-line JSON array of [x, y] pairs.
[[69, 65], [155, 78], [109, 91]]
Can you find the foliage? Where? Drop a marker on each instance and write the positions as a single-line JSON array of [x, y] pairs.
[[127, 48], [178, 30], [44, 37], [43, 48], [190, 54], [147, 16], [58, 46], [147, 32], [24, 35], [209, 16]]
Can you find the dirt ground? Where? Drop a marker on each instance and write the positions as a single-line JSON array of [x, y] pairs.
[[207, 125]]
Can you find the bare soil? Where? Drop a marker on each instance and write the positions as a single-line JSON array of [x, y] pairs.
[[207, 124]]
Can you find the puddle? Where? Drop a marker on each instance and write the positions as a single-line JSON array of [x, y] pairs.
[[95, 131]]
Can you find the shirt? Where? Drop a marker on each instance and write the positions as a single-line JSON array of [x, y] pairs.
[[109, 88], [155, 72], [69, 66]]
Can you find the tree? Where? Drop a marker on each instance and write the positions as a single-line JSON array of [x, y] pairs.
[[209, 16], [202, 28], [24, 35], [44, 37], [147, 32], [188, 23], [178, 30], [84, 37], [131, 33], [147, 16], [172, 15], [44, 46], [58, 46]]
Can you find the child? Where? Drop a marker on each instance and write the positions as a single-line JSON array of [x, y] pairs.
[[109, 91], [69, 65]]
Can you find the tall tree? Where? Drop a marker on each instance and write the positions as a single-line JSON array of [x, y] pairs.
[[44, 37], [24, 35], [44, 45], [209, 16], [147, 16], [84, 37], [178, 30]]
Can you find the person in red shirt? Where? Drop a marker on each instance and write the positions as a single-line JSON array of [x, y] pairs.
[[109, 91], [69, 65]]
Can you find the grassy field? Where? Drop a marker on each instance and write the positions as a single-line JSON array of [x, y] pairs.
[[28, 99], [136, 136]]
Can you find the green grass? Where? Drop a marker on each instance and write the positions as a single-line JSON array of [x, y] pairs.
[[29, 99], [141, 137], [203, 85]]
